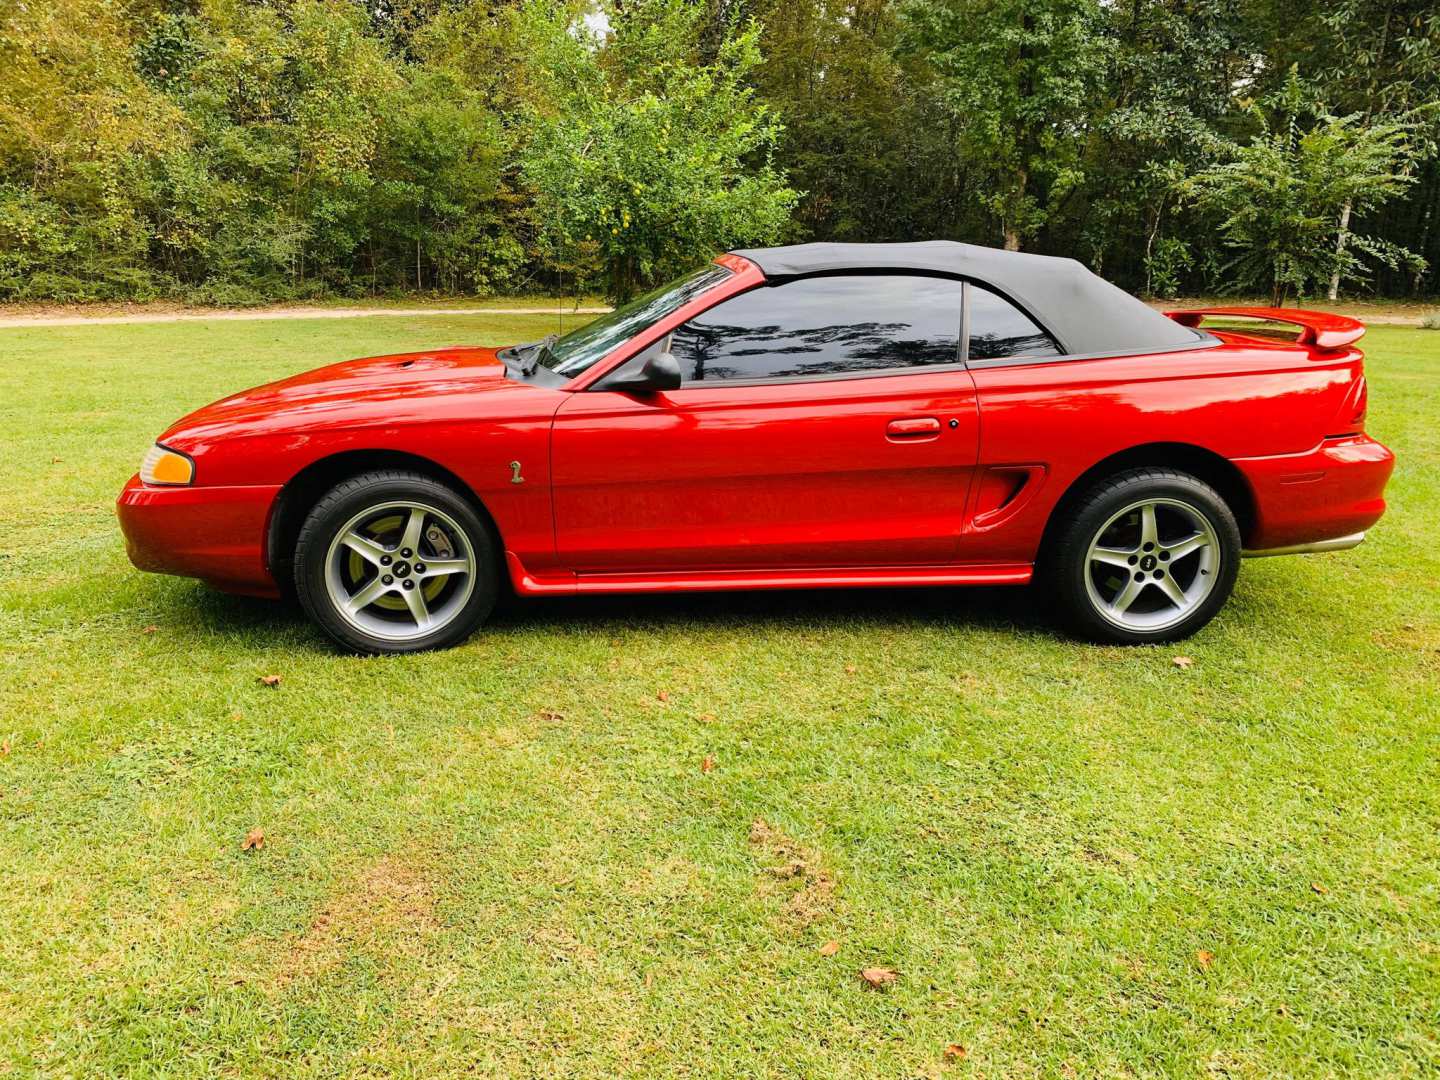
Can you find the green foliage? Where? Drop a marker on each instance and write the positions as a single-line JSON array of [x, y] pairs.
[[1280, 198], [1165, 266], [239, 151], [858, 128], [649, 162], [1019, 76]]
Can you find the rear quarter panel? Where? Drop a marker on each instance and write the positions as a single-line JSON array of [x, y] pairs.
[[1245, 398]]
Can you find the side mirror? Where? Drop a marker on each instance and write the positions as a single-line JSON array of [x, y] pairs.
[[660, 371]]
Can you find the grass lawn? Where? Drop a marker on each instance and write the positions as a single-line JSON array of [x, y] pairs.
[[507, 859]]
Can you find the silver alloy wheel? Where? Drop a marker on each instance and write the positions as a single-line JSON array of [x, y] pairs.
[[1152, 564], [400, 570]]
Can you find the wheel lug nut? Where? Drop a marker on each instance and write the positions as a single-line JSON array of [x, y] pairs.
[[419, 567], [404, 553], [388, 580], [1159, 573], [1139, 575], [408, 583], [1164, 556], [1133, 559], [384, 560], [1149, 546]]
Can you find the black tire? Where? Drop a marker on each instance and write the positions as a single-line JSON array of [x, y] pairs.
[[449, 511], [1082, 587]]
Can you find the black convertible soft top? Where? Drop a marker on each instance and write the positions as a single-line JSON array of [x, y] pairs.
[[1083, 312]]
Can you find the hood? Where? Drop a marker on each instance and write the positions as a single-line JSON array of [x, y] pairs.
[[438, 384]]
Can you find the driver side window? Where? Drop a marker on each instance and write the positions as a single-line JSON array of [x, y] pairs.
[[823, 326]]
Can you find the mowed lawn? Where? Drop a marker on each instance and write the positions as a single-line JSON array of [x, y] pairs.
[[510, 859]]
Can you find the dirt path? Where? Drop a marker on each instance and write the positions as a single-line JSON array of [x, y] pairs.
[[51, 318], [1401, 313], [42, 319]]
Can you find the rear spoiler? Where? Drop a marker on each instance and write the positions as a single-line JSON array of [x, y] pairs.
[[1317, 328]]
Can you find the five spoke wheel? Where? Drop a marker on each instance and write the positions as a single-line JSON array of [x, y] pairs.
[[400, 570], [1152, 563]]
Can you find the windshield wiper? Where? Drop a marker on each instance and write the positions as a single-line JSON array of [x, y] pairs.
[[531, 353]]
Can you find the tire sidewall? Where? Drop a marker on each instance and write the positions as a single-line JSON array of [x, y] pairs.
[[1096, 508], [352, 497]]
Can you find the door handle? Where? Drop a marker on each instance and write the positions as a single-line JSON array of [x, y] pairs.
[[919, 427]]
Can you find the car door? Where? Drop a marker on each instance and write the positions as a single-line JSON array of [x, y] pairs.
[[822, 422]]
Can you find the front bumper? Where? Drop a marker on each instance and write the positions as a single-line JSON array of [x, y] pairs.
[[1325, 496], [216, 534]]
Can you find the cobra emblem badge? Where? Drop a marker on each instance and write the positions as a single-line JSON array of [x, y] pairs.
[[515, 477]]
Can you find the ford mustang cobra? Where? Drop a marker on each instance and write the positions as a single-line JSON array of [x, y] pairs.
[[820, 415]]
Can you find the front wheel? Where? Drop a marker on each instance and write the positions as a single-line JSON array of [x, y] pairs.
[[1149, 555], [393, 562]]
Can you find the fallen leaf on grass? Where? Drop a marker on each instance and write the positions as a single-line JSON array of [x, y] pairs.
[[1321, 889], [1204, 959], [550, 716], [1182, 661], [706, 718], [5, 748], [254, 840], [708, 763], [830, 948], [149, 629], [849, 669], [663, 695], [877, 977], [270, 680], [956, 1052]]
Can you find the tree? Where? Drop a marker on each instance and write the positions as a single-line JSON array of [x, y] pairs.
[[437, 178], [1377, 58], [855, 138], [647, 161], [1019, 77], [1172, 69], [1279, 198]]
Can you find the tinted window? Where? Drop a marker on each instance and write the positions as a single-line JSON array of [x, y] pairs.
[[824, 326], [999, 329]]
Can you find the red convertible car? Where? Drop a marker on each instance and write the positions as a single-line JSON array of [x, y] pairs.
[[820, 415]]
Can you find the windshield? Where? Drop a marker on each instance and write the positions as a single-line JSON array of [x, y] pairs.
[[577, 350]]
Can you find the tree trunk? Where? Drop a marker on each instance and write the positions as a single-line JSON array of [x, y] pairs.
[[1340, 249], [1012, 231]]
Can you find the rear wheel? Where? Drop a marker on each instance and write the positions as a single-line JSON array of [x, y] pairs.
[[1149, 555], [392, 562]]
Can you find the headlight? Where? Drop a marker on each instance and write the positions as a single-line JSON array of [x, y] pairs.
[[165, 466]]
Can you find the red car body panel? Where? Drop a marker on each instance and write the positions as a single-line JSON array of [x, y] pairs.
[[947, 476], [791, 475]]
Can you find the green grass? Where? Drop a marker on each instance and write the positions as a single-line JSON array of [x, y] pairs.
[[506, 860]]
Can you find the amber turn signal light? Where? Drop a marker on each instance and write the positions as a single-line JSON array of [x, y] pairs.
[[165, 466]]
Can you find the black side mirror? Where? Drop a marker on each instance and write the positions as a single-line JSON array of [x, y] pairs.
[[660, 371]]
